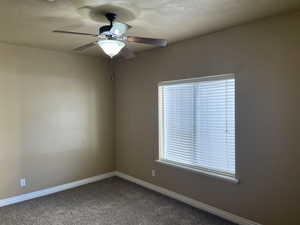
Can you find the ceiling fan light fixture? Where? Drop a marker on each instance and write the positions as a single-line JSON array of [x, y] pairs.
[[111, 47]]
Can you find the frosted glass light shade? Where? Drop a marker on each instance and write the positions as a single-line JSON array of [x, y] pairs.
[[111, 47]]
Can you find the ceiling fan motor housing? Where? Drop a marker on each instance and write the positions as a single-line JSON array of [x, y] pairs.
[[110, 17], [104, 29]]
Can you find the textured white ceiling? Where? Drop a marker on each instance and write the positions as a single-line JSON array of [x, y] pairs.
[[30, 22]]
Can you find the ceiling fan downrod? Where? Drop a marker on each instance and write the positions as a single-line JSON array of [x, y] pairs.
[[110, 17]]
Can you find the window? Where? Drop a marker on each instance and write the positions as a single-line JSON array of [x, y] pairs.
[[197, 124]]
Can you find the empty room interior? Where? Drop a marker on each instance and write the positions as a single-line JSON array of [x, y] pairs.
[[149, 112]]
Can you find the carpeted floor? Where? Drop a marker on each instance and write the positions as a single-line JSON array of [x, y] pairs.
[[110, 202]]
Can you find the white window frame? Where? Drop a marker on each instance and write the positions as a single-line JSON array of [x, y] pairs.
[[196, 169]]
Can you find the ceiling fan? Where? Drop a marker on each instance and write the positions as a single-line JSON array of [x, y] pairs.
[[112, 38]]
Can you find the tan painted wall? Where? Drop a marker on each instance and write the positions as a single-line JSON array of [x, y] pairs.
[[265, 57], [56, 123]]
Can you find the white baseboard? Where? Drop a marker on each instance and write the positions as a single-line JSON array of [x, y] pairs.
[[48, 191], [197, 204]]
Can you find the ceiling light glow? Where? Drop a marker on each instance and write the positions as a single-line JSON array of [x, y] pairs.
[[111, 47]]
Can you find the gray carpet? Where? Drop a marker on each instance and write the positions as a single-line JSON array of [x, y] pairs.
[[110, 202]]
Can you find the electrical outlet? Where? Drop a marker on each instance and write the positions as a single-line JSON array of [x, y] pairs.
[[153, 173], [23, 182]]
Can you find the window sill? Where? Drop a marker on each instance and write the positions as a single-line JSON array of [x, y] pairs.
[[226, 178]]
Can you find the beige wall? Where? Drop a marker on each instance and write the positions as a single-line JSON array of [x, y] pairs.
[[265, 56], [56, 113]]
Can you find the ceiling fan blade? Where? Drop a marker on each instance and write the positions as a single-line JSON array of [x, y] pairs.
[[77, 33], [86, 46], [126, 53], [150, 41], [119, 28]]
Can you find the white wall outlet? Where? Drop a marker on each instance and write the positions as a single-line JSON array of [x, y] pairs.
[[23, 182], [153, 172]]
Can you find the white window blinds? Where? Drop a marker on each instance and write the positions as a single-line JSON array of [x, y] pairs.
[[197, 123]]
